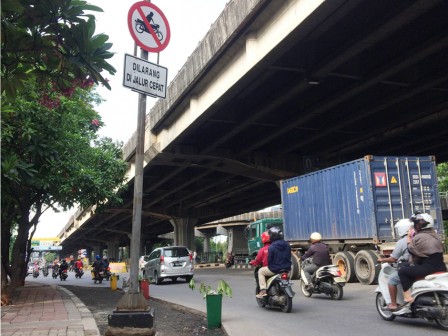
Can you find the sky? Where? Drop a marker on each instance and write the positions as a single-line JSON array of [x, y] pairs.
[[189, 21]]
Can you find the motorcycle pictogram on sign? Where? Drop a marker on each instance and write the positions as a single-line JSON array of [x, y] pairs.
[[141, 27], [148, 26]]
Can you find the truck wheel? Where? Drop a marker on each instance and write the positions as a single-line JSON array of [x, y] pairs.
[[295, 270], [365, 269], [346, 264]]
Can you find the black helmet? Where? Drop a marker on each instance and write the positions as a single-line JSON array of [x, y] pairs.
[[275, 233]]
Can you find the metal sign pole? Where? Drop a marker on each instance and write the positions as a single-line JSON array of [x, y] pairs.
[[133, 299], [138, 14]]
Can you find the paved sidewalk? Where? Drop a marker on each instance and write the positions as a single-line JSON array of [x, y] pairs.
[[46, 310]]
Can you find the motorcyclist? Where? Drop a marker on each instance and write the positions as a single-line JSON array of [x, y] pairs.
[[78, 266], [36, 267], [97, 265], [63, 266], [261, 260], [399, 254], [321, 257], [262, 256], [426, 250], [279, 259], [230, 259], [105, 262]]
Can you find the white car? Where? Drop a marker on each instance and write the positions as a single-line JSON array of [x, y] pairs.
[[170, 262]]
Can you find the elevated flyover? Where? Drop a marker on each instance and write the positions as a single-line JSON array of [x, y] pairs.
[[277, 89]]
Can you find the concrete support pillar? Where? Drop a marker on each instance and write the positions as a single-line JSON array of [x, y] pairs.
[[206, 244], [97, 250], [112, 250], [230, 240], [184, 231]]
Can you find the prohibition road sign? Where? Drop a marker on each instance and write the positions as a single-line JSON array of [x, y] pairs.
[[148, 26]]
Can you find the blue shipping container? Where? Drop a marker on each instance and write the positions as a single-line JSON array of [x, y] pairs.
[[360, 200]]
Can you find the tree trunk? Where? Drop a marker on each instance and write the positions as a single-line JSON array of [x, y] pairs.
[[20, 257]]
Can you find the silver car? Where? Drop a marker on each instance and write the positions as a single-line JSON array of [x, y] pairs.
[[170, 262]]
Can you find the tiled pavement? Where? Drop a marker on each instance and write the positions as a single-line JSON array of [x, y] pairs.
[[46, 310]]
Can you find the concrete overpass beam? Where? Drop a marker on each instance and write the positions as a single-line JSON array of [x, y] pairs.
[[184, 231]]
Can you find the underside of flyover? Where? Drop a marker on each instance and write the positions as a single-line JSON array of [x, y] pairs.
[[355, 78]]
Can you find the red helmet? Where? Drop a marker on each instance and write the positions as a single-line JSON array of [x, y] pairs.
[[265, 237]]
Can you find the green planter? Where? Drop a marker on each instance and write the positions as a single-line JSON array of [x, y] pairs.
[[214, 308]]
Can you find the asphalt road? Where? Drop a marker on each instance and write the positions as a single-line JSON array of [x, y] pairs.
[[354, 315]]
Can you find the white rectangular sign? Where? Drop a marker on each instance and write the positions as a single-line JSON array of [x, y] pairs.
[[47, 248], [144, 77]]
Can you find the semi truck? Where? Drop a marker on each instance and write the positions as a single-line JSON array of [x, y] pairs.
[[355, 205]]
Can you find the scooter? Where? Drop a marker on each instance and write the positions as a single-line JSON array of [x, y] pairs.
[[63, 275], [107, 274], [326, 280], [79, 272], [45, 271], [54, 274], [97, 276], [430, 298], [230, 263], [35, 274], [279, 292]]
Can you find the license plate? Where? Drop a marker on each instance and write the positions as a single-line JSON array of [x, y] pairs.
[[177, 263], [340, 279]]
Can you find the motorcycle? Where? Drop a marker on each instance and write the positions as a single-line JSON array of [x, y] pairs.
[[98, 276], [230, 263], [279, 292], [79, 272], [55, 272], [107, 274], [45, 271], [63, 275], [326, 280], [35, 274], [430, 298]]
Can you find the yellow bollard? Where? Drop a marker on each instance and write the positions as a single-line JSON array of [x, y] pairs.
[[113, 282]]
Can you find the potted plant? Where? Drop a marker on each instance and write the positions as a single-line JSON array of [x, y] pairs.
[[213, 299]]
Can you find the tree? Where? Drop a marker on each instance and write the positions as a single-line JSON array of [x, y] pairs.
[[442, 176], [52, 41], [51, 157]]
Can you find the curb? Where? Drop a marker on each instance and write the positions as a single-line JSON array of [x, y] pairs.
[[248, 266], [210, 265], [87, 319]]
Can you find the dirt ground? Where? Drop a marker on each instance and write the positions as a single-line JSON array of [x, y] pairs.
[[169, 319]]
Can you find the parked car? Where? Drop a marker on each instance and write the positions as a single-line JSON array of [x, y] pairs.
[[170, 262]]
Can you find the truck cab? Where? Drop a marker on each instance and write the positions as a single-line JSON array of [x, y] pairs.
[[255, 229]]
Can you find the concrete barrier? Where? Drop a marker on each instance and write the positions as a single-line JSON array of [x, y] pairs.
[[117, 267]]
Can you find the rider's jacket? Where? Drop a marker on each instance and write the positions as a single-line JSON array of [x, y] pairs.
[[279, 256], [319, 252], [262, 256]]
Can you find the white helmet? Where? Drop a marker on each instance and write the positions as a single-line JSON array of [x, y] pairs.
[[402, 227], [427, 218], [316, 236]]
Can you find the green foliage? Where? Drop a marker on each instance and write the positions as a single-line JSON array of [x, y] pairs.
[[442, 176], [53, 155], [199, 244], [223, 288], [53, 41], [50, 257]]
